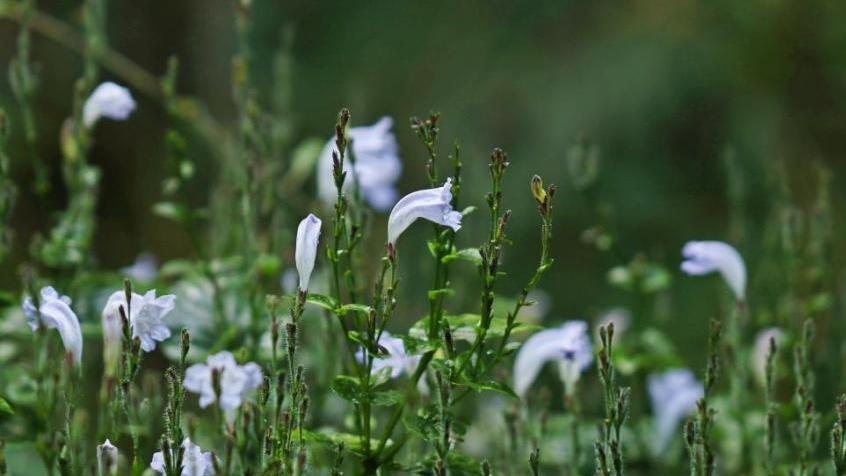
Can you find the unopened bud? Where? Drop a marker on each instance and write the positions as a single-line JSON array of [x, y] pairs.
[[538, 191]]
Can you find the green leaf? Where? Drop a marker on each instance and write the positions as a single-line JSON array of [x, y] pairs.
[[416, 345], [470, 255], [446, 292], [433, 247], [357, 337], [331, 438], [348, 388], [362, 308], [319, 300], [423, 424], [5, 408], [386, 398], [493, 385]]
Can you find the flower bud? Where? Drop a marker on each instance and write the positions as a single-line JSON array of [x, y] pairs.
[[538, 191]]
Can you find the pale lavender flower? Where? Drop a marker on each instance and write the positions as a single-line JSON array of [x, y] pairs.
[[704, 257], [107, 100], [377, 166], [144, 269], [195, 462], [432, 204], [674, 394], [146, 315], [762, 349], [54, 312], [107, 458], [397, 360], [308, 234], [236, 381], [568, 345]]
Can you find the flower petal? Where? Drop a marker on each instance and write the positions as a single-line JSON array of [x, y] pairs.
[[308, 235]]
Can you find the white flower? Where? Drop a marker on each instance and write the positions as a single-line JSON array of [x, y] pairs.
[[377, 166], [674, 394], [144, 269], [54, 312], [762, 349], [146, 315], [433, 204], [236, 381], [569, 345], [397, 360], [112, 338], [704, 257], [107, 458], [308, 234], [107, 100], [195, 462]]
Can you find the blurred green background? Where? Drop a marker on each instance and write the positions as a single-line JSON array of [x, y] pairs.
[[664, 89]]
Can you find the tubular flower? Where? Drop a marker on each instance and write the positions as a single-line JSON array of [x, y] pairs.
[[397, 360], [674, 394], [107, 458], [704, 257], [308, 234], [569, 345], [146, 316], [236, 381], [54, 312], [107, 100], [377, 166], [433, 204], [762, 349], [195, 462]]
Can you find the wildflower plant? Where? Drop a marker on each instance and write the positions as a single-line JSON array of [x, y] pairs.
[[309, 331]]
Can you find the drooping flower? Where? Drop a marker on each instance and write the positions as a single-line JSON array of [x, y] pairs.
[[568, 345], [308, 234], [397, 360], [762, 349], [377, 166], [704, 257], [195, 462], [54, 312], [674, 394], [433, 204], [107, 100], [146, 315], [144, 269], [236, 381], [107, 458]]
